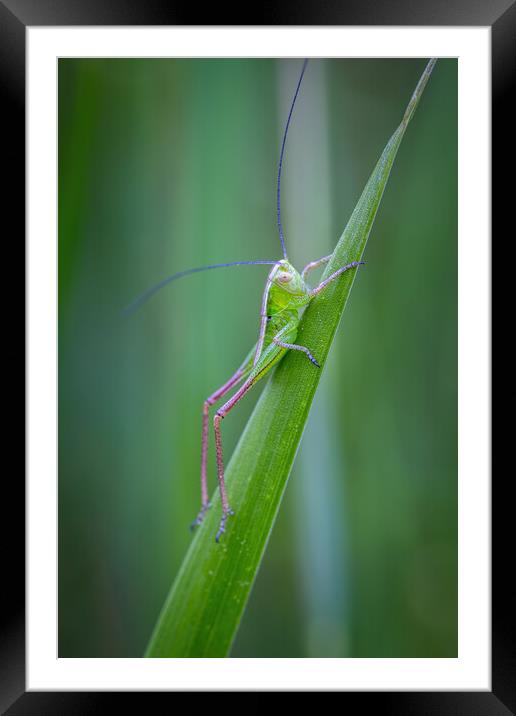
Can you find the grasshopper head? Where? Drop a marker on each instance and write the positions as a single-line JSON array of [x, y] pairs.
[[288, 279]]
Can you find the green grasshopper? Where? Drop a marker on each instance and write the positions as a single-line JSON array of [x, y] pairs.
[[286, 292]]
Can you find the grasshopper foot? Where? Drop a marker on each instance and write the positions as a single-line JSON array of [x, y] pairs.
[[222, 526], [202, 512]]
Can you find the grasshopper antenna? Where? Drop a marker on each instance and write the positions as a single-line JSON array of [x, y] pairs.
[[278, 196], [135, 305]]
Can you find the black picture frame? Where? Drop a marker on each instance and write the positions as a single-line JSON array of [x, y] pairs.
[[15, 16]]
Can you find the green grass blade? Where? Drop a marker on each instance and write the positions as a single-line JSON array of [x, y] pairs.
[[203, 610]]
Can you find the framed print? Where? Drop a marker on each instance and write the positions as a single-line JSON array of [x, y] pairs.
[[178, 179]]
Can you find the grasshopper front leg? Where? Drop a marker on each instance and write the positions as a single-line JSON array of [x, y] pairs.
[[333, 276], [294, 347]]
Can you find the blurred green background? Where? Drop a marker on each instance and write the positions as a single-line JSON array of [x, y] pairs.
[[168, 164]]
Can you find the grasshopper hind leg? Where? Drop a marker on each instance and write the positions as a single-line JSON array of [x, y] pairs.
[[269, 357], [239, 375], [219, 415], [205, 500]]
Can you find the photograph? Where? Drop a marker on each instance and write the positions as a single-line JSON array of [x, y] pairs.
[[257, 357]]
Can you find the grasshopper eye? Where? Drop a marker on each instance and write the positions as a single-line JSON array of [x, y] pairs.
[[284, 276]]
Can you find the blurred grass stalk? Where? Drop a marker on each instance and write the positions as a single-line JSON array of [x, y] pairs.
[[320, 511], [203, 611]]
